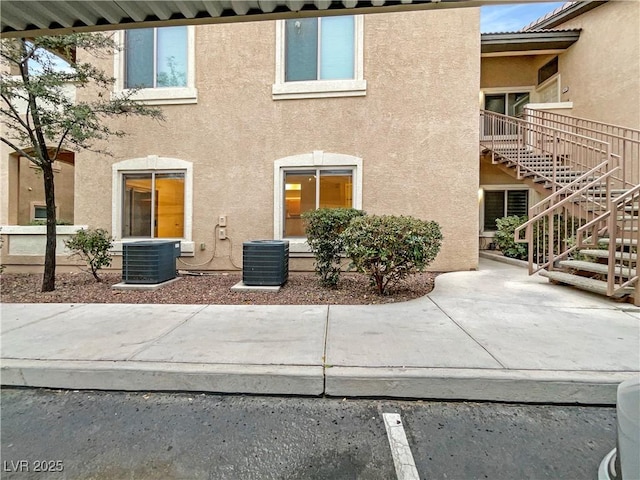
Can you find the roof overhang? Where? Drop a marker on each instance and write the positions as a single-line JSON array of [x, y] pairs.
[[45, 17], [531, 43]]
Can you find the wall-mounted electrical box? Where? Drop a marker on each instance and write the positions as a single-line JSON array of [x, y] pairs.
[[222, 220], [222, 234]]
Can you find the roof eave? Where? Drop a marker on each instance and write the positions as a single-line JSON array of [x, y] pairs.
[[528, 41]]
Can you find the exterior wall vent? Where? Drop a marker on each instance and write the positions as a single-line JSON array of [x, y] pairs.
[[265, 262], [149, 261]]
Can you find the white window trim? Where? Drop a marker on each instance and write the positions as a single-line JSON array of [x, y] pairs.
[[160, 95], [283, 90], [530, 89], [502, 90], [514, 186], [314, 160], [146, 164]]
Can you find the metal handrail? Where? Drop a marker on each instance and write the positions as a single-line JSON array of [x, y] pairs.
[[564, 149], [624, 141], [527, 111]]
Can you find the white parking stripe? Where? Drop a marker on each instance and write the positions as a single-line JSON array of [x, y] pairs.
[[400, 450]]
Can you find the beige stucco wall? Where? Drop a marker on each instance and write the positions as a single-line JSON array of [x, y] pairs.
[[511, 71], [602, 69], [31, 190], [416, 131]]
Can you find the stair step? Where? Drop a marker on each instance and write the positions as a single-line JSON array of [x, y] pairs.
[[619, 241], [545, 171], [619, 256], [600, 268], [583, 283], [598, 192]]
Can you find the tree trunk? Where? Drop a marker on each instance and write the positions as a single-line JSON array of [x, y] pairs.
[[49, 278]]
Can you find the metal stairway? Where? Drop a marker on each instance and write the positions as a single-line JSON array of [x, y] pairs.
[[586, 231]]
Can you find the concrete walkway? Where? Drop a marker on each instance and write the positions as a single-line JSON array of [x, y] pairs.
[[492, 334]]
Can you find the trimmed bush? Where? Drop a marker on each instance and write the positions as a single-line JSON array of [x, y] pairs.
[[389, 248], [93, 246], [323, 228], [505, 239], [564, 226]]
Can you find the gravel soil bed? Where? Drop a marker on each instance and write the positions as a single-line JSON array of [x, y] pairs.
[[301, 289]]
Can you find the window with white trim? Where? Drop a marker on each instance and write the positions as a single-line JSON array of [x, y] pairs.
[[153, 204], [159, 62], [319, 57], [503, 203], [153, 198], [310, 181], [156, 57], [307, 190]]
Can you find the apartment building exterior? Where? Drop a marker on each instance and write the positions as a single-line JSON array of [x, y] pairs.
[[265, 120]]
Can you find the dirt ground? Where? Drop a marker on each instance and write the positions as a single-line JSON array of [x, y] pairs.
[[301, 289]]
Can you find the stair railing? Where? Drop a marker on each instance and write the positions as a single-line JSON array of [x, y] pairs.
[[624, 141], [620, 226], [624, 238], [553, 222], [551, 154]]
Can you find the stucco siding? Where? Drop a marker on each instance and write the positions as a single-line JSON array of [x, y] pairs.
[[416, 131], [601, 72]]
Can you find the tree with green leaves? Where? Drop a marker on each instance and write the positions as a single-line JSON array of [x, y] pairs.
[[41, 121]]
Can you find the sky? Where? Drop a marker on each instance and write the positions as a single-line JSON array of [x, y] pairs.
[[511, 17]]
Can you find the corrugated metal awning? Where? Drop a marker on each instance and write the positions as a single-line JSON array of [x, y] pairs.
[[39, 17]]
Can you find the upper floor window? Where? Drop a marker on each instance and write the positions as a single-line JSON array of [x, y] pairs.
[[156, 57], [320, 48], [319, 57], [159, 62], [548, 70]]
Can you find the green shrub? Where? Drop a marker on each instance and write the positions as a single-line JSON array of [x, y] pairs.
[[389, 248], [504, 237], [323, 228], [565, 228], [93, 247]]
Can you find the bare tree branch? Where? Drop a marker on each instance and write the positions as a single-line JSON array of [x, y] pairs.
[[20, 151], [15, 115]]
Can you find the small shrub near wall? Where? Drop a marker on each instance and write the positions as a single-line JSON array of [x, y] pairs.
[[505, 237], [389, 248], [565, 228], [323, 228], [94, 247]]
